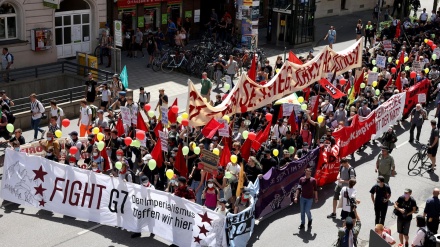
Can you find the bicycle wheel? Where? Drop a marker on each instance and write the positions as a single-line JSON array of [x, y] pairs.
[[167, 66], [413, 162], [155, 64], [97, 52]]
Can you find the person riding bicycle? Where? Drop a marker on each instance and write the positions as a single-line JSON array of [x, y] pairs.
[[219, 67], [389, 139]]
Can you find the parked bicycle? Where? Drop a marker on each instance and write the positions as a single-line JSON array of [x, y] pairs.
[[420, 157], [171, 64]]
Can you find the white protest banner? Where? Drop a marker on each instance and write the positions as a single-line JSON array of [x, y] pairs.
[[225, 130], [164, 112], [421, 97], [437, 52], [35, 148], [134, 113], [248, 95], [163, 141], [387, 46], [389, 113], [125, 115], [372, 76], [381, 61], [418, 66], [41, 183], [287, 109]]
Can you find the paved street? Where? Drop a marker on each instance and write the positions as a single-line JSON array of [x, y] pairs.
[[26, 226]]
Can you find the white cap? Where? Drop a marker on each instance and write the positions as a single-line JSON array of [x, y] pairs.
[[147, 157]]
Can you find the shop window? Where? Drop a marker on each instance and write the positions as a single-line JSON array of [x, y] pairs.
[[8, 22]]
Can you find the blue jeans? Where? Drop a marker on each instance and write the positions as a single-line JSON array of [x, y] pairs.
[[305, 205], [35, 125], [194, 186]]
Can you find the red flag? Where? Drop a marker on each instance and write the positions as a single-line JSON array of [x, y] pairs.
[[106, 160], [120, 127], [245, 150], [390, 81], [294, 59], [332, 90], [252, 73], [280, 113], [211, 127], [141, 123], [158, 128], [292, 122], [172, 117], [398, 83], [347, 87], [261, 138], [226, 153], [402, 58], [306, 93], [397, 30], [358, 82], [180, 163], [156, 153]]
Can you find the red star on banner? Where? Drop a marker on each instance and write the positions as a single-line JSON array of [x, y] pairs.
[[39, 190], [205, 218], [39, 174], [42, 202], [203, 230], [197, 239]]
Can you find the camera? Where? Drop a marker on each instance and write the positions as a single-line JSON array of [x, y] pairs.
[[352, 202]]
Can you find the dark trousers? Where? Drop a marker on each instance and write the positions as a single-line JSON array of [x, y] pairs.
[[381, 212], [411, 132], [433, 225]]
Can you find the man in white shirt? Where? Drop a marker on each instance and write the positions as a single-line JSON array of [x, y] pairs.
[[279, 130], [433, 16], [423, 16], [37, 110], [85, 119], [56, 111], [403, 78], [231, 69], [348, 200]]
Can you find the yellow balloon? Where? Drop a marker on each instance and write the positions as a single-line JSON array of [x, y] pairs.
[[100, 136], [405, 59], [275, 152], [193, 145], [320, 119], [185, 115], [95, 130], [234, 158], [58, 133], [426, 70], [216, 151], [397, 61], [300, 99], [226, 117], [169, 173], [374, 83]]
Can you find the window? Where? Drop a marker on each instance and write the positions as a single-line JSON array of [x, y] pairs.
[[8, 22]]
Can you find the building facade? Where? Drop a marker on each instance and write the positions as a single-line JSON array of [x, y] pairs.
[[42, 31]]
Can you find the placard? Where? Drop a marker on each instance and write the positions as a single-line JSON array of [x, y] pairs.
[[287, 109], [381, 61], [387, 46], [125, 115], [418, 66], [163, 141], [421, 98], [225, 130], [164, 112], [209, 161], [372, 76]]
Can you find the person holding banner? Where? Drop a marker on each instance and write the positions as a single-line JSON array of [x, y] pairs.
[[308, 190], [183, 190], [52, 144]]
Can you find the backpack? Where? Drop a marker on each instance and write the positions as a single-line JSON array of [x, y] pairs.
[[12, 57], [94, 110], [349, 170], [343, 239], [430, 239]]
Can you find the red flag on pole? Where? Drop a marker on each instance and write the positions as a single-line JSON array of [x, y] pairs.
[[332, 90], [141, 123], [211, 127], [158, 128], [226, 153], [156, 153], [252, 73], [306, 93], [280, 113], [107, 163], [261, 138], [120, 127], [172, 117], [180, 163], [245, 150], [292, 122], [397, 30], [401, 58], [390, 81], [294, 59], [398, 83], [358, 82]]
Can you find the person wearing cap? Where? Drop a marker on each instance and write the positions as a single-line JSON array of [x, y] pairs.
[[90, 89], [404, 208], [348, 234], [219, 67], [433, 145], [385, 165], [37, 110], [210, 195], [106, 95], [183, 191], [51, 143], [205, 91], [268, 161], [418, 116], [308, 190], [56, 111], [432, 211], [85, 118], [221, 208], [380, 196], [121, 101], [389, 139]]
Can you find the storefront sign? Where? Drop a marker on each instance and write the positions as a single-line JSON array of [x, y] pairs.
[[54, 4], [164, 19], [141, 21], [132, 3], [118, 33]]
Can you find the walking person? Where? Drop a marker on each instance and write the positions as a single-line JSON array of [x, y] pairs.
[[231, 69], [7, 61], [385, 165], [205, 91], [380, 195], [432, 211], [368, 34], [308, 189], [433, 145], [171, 31], [418, 116], [37, 110], [219, 67], [151, 48], [85, 119], [56, 111], [404, 207], [90, 89], [331, 36], [359, 28], [138, 39]]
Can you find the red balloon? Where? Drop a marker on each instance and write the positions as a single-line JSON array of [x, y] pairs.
[[147, 107], [128, 141], [433, 46], [140, 135], [175, 109], [430, 42], [185, 122], [393, 70], [73, 150], [65, 122], [269, 117], [252, 136], [413, 74], [342, 81]]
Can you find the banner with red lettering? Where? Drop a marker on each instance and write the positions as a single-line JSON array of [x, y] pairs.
[[331, 90], [41, 183], [412, 95], [388, 113], [354, 136], [248, 95], [328, 164]]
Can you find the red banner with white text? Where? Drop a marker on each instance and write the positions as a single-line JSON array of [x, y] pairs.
[[412, 95], [328, 165], [354, 136]]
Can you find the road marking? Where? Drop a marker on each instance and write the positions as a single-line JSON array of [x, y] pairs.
[[90, 229], [405, 142]]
